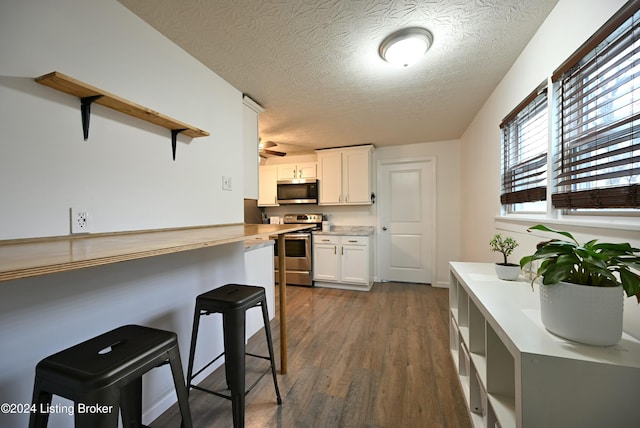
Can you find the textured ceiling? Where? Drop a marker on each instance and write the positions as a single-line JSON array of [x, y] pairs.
[[314, 65]]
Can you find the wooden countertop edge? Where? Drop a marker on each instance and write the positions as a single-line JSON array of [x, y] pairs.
[[8, 273], [107, 234]]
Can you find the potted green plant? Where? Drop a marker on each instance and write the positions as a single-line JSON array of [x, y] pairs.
[[505, 270], [581, 292]]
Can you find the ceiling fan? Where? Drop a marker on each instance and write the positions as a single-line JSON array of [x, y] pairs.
[[264, 151]]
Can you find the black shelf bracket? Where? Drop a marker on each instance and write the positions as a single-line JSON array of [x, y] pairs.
[[174, 140], [85, 109]]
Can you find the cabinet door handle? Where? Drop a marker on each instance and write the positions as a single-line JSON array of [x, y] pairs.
[[334, 250], [352, 240], [342, 251], [326, 240], [295, 174]]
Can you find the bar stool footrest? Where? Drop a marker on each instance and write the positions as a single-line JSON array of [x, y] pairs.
[[193, 376], [262, 357], [228, 397], [258, 356]]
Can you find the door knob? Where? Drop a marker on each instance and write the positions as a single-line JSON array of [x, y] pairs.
[[384, 227]]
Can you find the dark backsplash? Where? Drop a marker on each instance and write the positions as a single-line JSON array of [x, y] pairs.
[[252, 214]]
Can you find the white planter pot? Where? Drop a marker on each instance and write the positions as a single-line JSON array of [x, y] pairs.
[[507, 272], [585, 314]]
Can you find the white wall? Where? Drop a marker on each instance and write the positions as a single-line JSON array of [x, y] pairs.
[[569, 25], [447, 160], [124, 176]]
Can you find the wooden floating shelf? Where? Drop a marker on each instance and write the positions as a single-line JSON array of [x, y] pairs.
[[89, 94]]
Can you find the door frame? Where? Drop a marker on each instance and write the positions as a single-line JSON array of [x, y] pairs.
[[432, 204]]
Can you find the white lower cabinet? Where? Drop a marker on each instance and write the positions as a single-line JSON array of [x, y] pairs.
[[326, 259], [355, 260], [514, 373], [342, 262]]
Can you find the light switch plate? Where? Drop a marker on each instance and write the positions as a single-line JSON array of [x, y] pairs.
[[226, 183]]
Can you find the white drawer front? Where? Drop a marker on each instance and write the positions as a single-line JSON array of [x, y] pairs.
[[354, 240], [326, 239]]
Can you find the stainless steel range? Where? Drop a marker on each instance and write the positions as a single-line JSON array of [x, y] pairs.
[[298, 250]]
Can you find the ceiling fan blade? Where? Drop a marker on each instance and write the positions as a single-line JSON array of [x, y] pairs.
[[268, 144], [273, 152]]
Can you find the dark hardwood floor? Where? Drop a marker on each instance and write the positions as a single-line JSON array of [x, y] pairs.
[[356, 359]]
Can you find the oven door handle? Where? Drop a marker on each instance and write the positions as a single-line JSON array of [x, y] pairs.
[[299, 236]]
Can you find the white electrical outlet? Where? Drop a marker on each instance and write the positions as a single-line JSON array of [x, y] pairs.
[[80, 221], [226, 183]]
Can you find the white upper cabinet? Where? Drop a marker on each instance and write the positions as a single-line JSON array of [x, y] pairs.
[[250, 117], [356, 176], [330, 177], [268, 194], [345, 175], [297, 171], [270, 174]]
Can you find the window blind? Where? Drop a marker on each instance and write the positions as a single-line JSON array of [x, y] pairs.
[[598, 119], [524, 150]]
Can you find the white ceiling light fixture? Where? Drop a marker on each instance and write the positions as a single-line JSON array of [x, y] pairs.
[[406, 46]]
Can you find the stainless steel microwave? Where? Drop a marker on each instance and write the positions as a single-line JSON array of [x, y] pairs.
[[297, 191]]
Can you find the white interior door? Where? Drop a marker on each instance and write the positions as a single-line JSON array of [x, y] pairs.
[[406, 195]]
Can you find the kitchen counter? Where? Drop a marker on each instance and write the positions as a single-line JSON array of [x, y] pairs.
[[347, 231], [257, 243], [39, 256]]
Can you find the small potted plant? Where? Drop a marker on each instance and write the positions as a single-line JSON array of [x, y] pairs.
[[505, 270], [581, 295]]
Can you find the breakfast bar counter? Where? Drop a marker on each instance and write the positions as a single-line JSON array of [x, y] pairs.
[[24, 258]]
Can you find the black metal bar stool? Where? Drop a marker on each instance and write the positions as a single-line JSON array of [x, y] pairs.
[[104, 374], [232, 301]]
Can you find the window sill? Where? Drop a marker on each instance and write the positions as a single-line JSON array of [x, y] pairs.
[[519, 223]]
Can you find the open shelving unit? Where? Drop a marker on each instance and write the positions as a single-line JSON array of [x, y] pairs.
[[90, 94], [514, 373]]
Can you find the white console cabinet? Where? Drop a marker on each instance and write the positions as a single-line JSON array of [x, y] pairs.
[[514, 373]]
